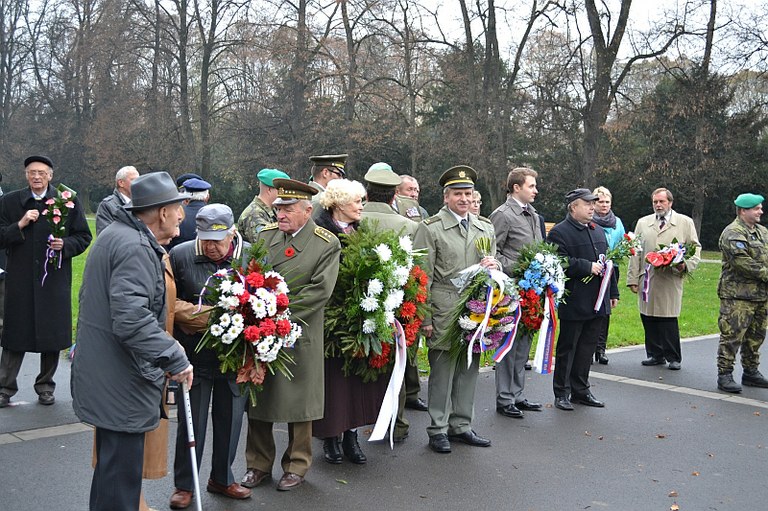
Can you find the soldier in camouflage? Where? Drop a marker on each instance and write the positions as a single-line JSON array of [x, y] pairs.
[[743, 292], [260, 211]]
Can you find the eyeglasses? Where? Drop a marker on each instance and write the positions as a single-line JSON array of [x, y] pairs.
[[477, 202]]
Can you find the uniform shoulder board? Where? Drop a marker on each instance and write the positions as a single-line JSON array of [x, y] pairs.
[[324, 233], [431, 220], [270, 226], [483, 219]]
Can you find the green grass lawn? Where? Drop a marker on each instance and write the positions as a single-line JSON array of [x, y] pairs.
[[78, 264]]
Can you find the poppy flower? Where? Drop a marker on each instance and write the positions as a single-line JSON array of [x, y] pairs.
[[290, 252]]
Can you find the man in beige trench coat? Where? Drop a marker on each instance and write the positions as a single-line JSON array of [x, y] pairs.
[[665, 286]]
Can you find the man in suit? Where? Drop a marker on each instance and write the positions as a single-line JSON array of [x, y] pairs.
[[665, 287], [308, 256], [449, 238], [516, 223], [582, 241]]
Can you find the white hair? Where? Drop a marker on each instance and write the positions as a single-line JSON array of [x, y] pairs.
[[340, 192], [124, 172], [202, 195]]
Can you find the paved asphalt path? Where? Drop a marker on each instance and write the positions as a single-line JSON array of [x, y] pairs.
[[665, 439]]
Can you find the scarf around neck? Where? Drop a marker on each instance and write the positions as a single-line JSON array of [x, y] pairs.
[[609, 220]]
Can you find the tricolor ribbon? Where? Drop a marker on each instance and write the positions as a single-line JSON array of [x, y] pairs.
[[543, 360], [506, 346], [646, 283], [389, 406], [605, 282], [497, 277]]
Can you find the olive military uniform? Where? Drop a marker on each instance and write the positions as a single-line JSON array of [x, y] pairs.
[[253, 219]]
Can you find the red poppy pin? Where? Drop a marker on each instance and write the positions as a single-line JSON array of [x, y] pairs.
[[290, 252]]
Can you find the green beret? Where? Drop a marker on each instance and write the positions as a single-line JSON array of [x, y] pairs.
[[459, 176], [267, 175], [748, 200], [382, 174]]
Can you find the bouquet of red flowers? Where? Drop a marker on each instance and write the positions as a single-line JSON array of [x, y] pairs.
[[672, 255], [414, 307], [249, 325]]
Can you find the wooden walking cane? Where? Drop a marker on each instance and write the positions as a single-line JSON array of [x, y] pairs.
[[191, 444]]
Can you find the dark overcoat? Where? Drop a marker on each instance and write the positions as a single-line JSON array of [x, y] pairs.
[[38, 317], [582, 245]]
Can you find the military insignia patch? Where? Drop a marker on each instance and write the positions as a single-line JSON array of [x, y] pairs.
[[270, 226], [324, 233], [412, 212], [740, 245]]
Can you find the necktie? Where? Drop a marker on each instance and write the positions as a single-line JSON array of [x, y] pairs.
[[525, 210], [662, 223], [464, 223]]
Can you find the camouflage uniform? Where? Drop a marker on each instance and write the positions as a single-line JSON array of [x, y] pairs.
[[253, 219], [743, 292]]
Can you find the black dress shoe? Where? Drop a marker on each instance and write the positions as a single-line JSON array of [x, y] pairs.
[[439, 443], [470, 438], [531, 406], [602, 359], [563, 404], [332, 450], [46, 398], [587, 399], [528, 366], [653, 361], [352, 449], [5, 400], [417, 404], [510, 410], [675, 366]]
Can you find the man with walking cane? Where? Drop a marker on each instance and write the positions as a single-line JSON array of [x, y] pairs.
[[123, 350]]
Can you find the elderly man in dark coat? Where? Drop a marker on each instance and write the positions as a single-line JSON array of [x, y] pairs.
[[308, 256], [582, 241], [105, 213], [123, 350], [38, 317]]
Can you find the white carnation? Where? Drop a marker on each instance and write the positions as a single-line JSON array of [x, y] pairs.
[[406, 243], [369, 326], [375, 287], [401, 275], [384, 252], [225, 286], [389, 317], [394, 300], [238, 288], [369, 304]]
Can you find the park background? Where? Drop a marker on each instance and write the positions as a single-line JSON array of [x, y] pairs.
[[630, 95]]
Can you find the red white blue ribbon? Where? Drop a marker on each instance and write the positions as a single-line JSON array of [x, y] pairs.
[[51, 255], [605, 282], [544, 358], [509, 340], [389, 406]]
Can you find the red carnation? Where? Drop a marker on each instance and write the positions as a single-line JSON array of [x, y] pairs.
[[407, 310], [268, 327], [379, 361], [283, 327], [252, 334], [244, 297], [655, 259], [282, 300], [255, 279]]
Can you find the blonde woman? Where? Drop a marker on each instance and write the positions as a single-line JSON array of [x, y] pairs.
[[477, 201], [614, 232], [349, 403]]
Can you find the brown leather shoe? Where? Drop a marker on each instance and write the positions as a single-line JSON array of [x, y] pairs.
[[233, 491], [181, 499], [289, 481], [254, 477]]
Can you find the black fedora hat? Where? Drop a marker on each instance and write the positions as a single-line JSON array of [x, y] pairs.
[[154, 190]]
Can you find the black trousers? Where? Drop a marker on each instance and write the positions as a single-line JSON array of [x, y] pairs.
[[10, 364], [573, 356], [116, 484], [602, 339], [227, 417], [662, 338]]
